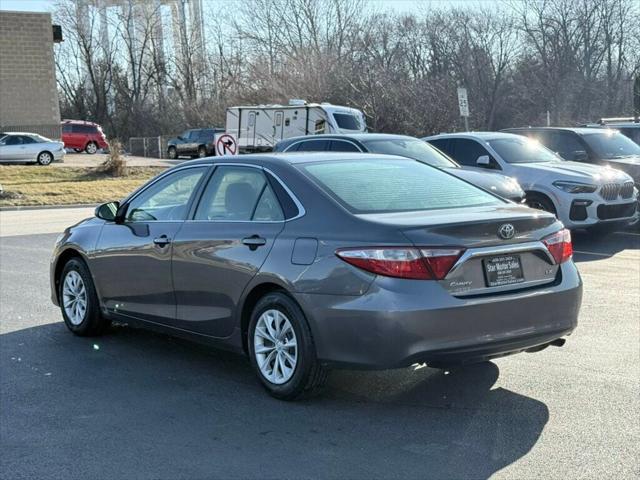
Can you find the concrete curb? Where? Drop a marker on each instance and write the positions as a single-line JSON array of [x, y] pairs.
[[47, 207]]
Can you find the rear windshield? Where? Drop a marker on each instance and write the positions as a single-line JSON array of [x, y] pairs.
[[611, 144], [410, 148], [522, 150], [347, 121], [390, 185]]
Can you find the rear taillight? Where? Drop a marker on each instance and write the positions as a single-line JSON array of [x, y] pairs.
[[413, 263], [559, 245]]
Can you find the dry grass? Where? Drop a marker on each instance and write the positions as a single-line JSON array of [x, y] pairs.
[[36, 185]]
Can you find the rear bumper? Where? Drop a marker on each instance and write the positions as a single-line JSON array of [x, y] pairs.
[[401, 322]]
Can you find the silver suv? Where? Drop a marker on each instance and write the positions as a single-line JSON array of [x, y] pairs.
[[579, 194]]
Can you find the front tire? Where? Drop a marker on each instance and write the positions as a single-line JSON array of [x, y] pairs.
[[44, 158], [173, 153], [281, 348], [202, 152], [91, 148], [540, 202], [79, 300]]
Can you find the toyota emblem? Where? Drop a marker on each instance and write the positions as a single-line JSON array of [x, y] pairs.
[[506, 231]]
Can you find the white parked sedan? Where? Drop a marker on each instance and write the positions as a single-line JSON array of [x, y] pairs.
[[581, 195], [23, 147]]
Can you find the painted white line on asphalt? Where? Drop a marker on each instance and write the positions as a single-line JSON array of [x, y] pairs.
[[593, 253], [627, 233]]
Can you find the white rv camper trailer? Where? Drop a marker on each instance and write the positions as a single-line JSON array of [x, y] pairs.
[[258, 128]]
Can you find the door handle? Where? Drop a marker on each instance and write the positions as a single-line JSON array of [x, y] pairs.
[[254, 241], [162, 240]]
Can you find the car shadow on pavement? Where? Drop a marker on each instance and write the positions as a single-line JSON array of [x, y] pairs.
[[139, 404], [588, 246]]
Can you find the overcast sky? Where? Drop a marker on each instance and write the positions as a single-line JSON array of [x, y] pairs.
[[397, 5]]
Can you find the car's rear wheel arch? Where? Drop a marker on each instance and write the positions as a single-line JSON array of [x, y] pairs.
[[250, 301]]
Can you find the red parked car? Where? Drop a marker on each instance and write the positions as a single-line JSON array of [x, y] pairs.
[[81, 135]]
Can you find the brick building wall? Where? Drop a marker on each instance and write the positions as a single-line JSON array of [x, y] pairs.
[[28, 91]]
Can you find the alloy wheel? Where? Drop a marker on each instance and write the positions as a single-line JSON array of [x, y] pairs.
[[275, 346], [92, 148], [74, 297]]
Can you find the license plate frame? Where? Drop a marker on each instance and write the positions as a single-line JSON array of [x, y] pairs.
[[503, 270]]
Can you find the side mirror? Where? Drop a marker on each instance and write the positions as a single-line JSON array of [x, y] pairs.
[[107, 211], [580, 156], [484, 160]]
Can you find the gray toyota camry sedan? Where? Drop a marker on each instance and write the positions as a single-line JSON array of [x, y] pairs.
[[308, 262]]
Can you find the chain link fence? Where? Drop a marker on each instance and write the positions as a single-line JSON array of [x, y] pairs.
[[152, 147]]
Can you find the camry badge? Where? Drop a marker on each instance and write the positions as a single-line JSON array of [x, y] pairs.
[[506, 231]]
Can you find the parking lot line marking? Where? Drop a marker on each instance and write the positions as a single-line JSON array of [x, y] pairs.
[[627, 233], [593, 253]]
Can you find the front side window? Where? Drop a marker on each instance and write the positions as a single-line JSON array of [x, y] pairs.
[[347, 121], [467, 151], [389, 185], [522, 150], [611, 144], [66, 129], [167, 199], [26, 139], [410, 148], [239, 194]]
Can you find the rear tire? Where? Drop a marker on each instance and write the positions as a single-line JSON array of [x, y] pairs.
[[91, 148], [44, 158], [173, 153], [79, 301], [202, 152], [298, 372]]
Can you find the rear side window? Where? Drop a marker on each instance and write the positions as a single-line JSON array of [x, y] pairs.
[[66, 129], [313, 146], [342, 146], [443, 145], [13, 140], [379, 186], [239, 194], [84, 129]]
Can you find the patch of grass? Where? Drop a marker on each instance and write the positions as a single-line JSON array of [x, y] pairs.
[[37, 185]]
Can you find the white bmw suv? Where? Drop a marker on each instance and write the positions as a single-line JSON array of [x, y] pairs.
[[580, 195]]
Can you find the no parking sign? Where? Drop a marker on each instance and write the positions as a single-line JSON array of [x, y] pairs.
[[226, 144]]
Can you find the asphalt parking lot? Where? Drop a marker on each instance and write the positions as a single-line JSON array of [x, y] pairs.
[[136, 404]]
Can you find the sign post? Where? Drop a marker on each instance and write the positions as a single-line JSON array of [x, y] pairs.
[[636, 97], [226, 144], [463, 103]]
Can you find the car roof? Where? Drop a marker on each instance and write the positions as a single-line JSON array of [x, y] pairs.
[[477, 135], [359, 137], [578, 130], [80, 122], [19, 133], [294, 158]]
